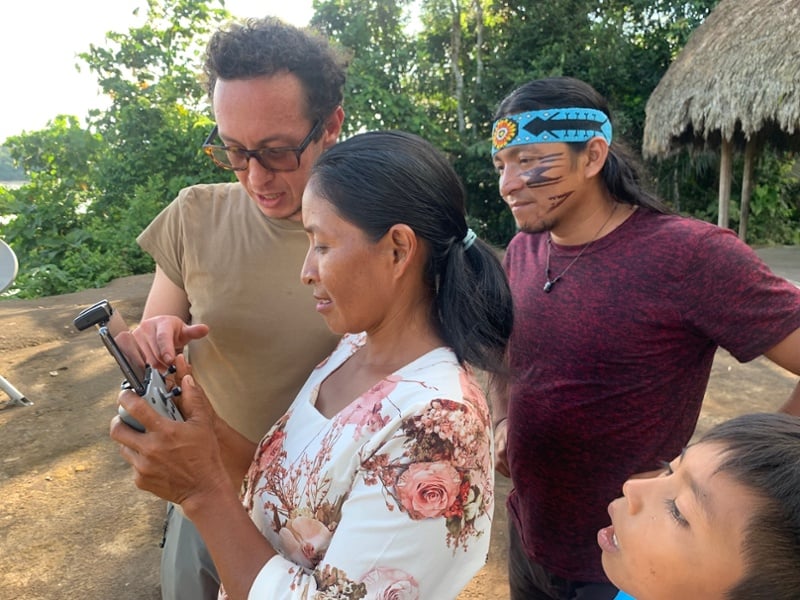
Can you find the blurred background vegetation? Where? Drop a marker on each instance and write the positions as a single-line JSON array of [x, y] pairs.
[[437, 68]]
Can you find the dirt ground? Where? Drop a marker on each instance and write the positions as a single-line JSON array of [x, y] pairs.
[[72, 524]]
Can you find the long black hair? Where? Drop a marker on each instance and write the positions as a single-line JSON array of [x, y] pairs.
[[621, 172], [379, 179]]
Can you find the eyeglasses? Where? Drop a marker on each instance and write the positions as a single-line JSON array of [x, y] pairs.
[[235, 158]]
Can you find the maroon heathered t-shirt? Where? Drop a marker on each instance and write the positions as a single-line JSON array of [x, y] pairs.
[[611, 366]]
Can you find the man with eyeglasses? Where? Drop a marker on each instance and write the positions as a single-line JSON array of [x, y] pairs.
[[227, 287]]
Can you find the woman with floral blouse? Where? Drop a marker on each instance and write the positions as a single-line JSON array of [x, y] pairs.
[[378, 482]]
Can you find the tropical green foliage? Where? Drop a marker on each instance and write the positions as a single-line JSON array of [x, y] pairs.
[[48, 229], [775, 205], [93, 190], [434, 67], [8, 170]]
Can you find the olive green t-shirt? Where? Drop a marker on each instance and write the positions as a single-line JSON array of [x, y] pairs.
[[241, 273]]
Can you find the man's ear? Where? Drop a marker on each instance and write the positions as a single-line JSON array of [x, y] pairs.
[[332, 127], [405, 246], [596, 155]]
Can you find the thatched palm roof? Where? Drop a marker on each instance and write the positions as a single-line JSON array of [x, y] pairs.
[[737, 77]]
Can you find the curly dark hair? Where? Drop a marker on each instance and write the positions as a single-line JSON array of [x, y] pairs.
[[257, 47]]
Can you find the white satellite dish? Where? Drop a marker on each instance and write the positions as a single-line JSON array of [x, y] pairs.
[[8, 272], [8, 266]]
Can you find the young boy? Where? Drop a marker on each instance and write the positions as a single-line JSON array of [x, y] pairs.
[[721, 522]]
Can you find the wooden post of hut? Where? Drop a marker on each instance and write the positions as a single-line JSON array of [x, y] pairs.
[[734, 83], [747, 187], [725, 176]]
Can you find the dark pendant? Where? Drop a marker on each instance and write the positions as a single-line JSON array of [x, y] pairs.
[[548, 286]]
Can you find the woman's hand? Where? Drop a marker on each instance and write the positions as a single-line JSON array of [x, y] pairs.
[[179, 462]]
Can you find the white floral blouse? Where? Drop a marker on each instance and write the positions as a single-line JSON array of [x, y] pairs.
[[391, 499]]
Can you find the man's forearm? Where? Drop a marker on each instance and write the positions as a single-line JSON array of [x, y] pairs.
[[498, 399], [792, 404]]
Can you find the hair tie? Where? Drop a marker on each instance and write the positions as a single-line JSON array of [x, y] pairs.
[[469, 239]]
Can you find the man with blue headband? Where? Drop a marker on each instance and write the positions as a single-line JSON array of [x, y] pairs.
[[620, 306]]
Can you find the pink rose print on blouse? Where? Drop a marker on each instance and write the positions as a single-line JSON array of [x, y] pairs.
[[365, 412], [384, 583], [474, 395], [427, 490], [305, 541], [271, 450]]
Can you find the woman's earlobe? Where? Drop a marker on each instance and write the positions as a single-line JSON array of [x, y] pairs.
[[404, 243]]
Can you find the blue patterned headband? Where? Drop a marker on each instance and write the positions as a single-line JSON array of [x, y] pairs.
[[551, 125]]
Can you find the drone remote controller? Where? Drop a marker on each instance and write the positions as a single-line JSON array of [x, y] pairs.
[[149, 383]]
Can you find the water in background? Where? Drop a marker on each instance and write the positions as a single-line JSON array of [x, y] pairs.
[[12, 185]]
